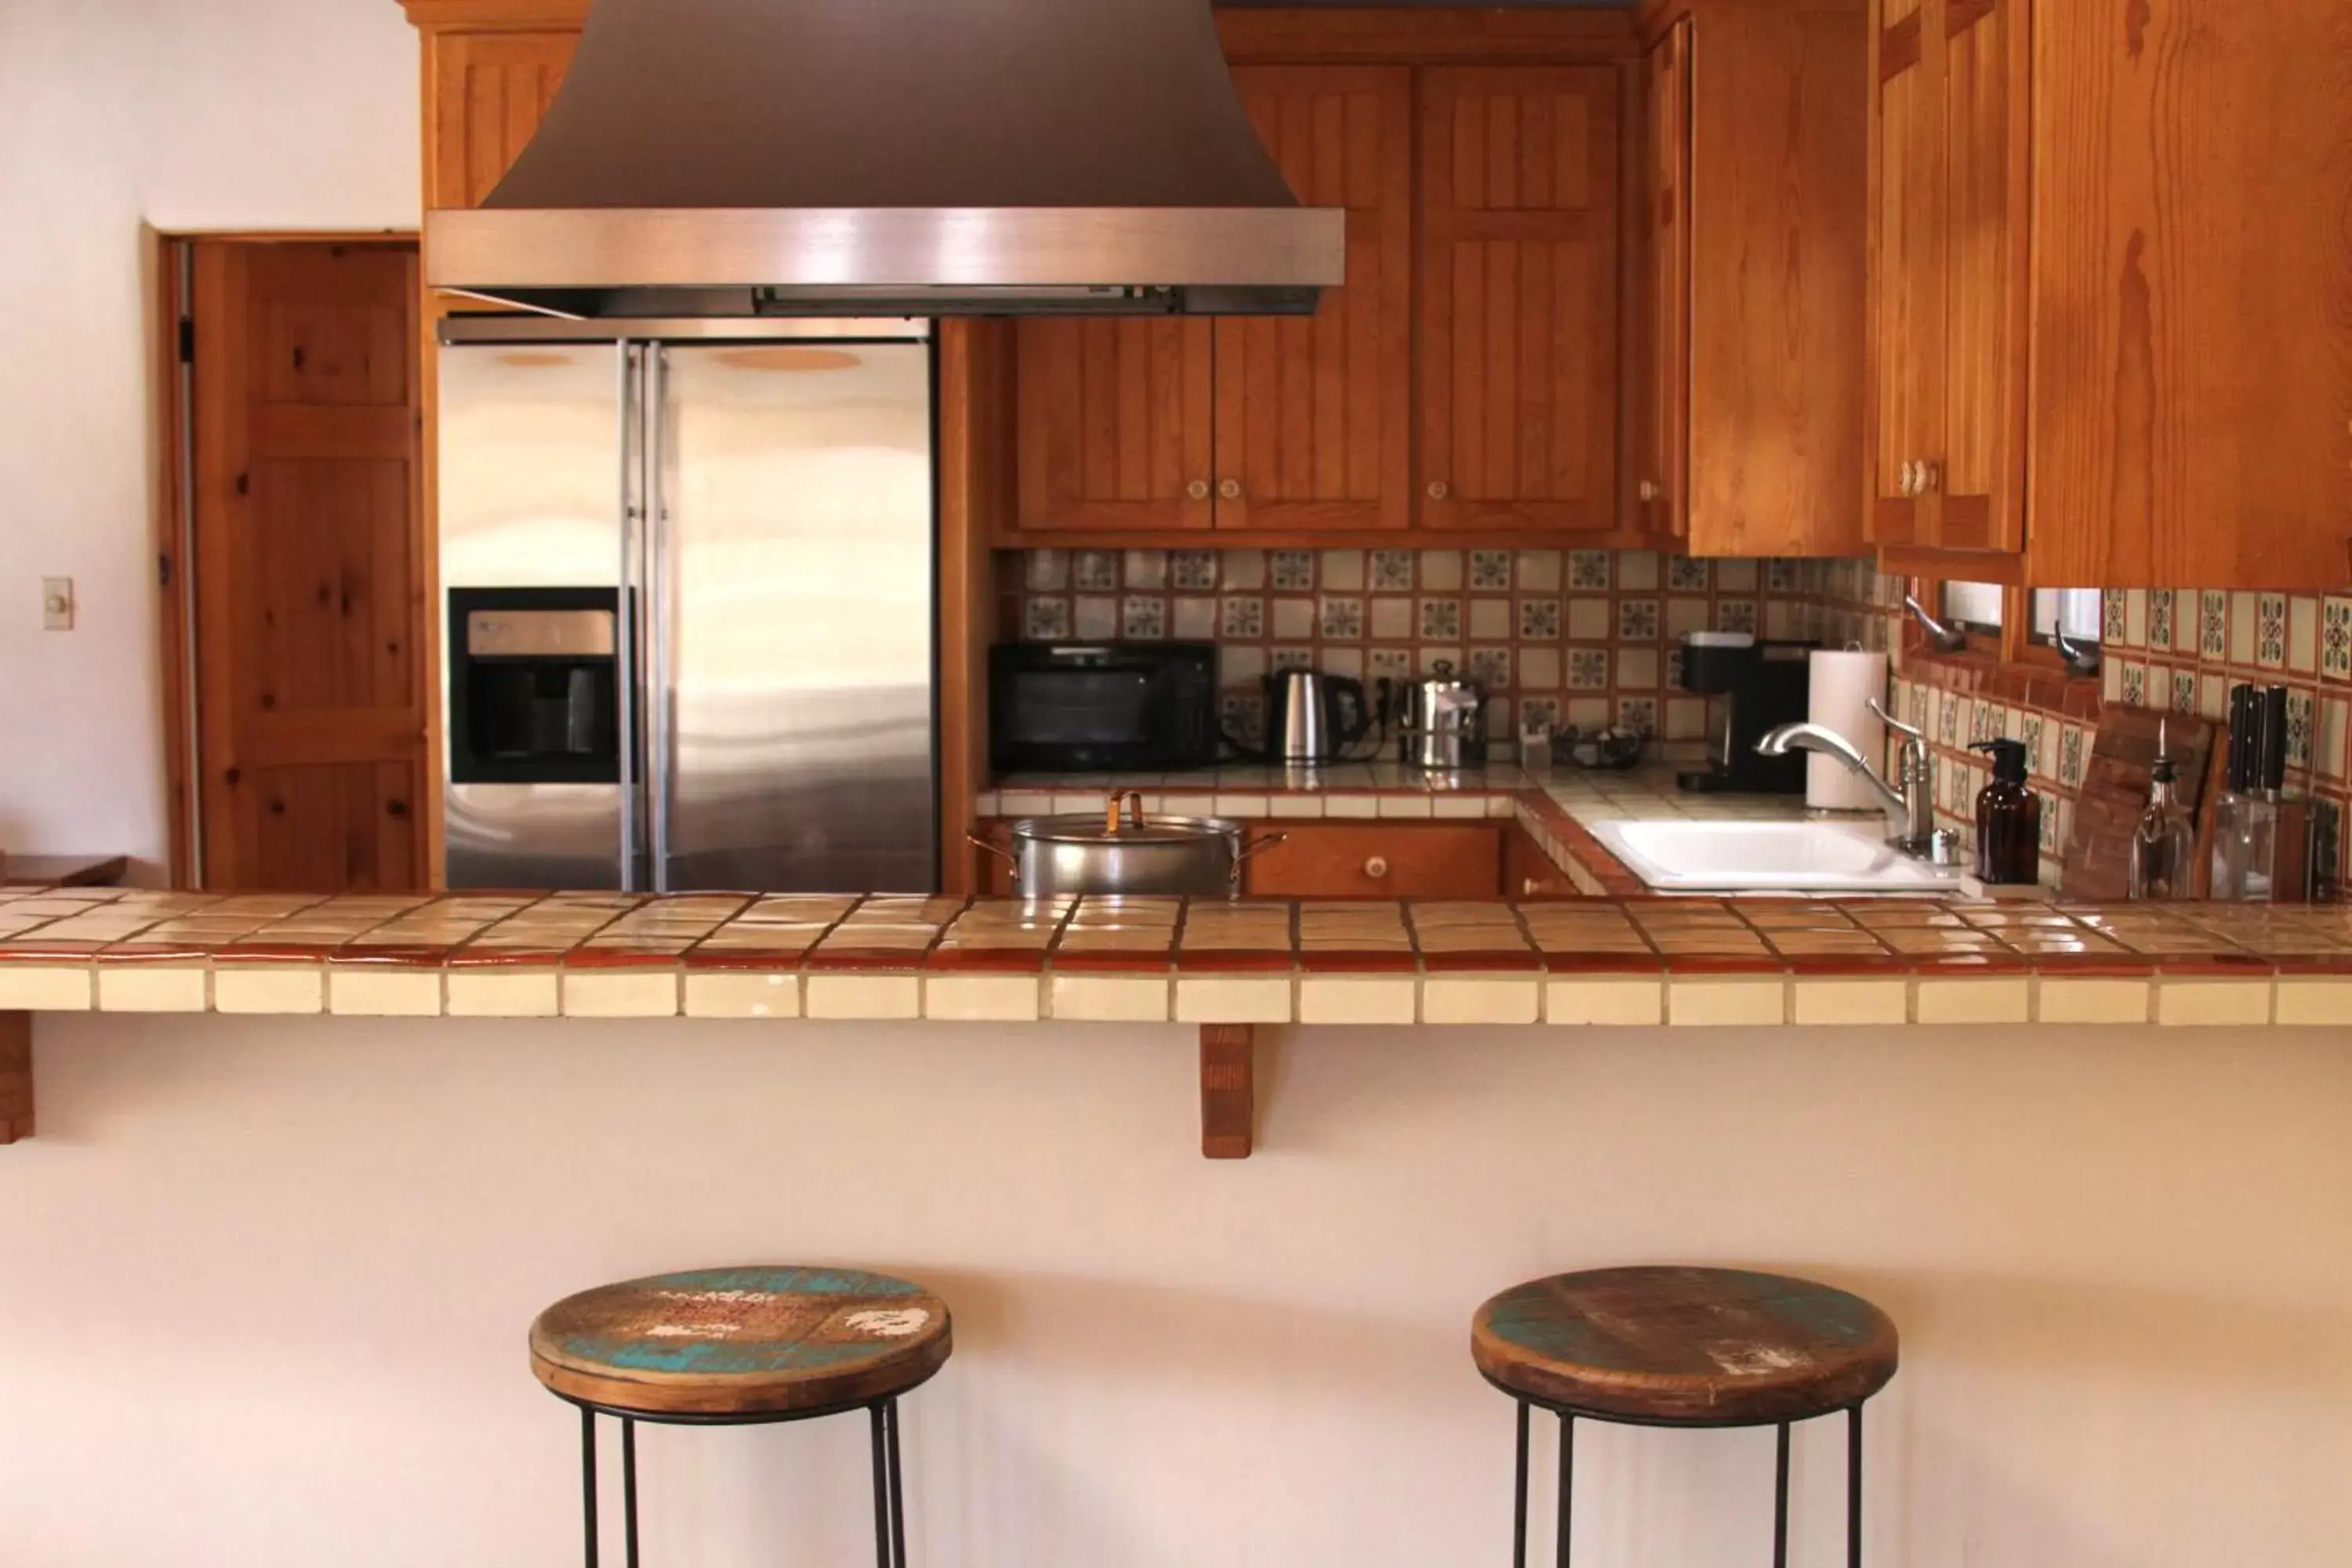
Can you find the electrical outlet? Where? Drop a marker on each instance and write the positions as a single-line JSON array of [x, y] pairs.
[[57, 603]]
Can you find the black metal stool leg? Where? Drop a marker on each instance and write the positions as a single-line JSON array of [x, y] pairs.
[[1780, 1500], [629, 1489], [588, 1482], [1854, 1487], [881, 1492], [1567, 1485], [1518, 1498], [897, 1500]]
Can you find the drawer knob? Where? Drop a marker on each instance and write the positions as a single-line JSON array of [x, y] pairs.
[[1198, 489], [1376, 868], [1649, 493], [1230, 489], [1437, 489]]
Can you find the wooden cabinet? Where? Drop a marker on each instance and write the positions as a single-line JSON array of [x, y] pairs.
[[484, 93], [1528, 872], [2111, 319], [1948, 283], [1387, 860], [1519, 299], [1269, 424], [1749, 407]]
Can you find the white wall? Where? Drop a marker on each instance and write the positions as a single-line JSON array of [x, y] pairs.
[[263, 1287], [264, 114]]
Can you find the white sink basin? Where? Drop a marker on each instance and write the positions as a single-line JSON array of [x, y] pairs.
[[1776, 857]]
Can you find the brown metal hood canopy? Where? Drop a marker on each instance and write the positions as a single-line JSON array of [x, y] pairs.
[[873, 157]]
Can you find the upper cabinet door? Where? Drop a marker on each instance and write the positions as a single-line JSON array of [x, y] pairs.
[[1519, 335], [1663, 377], [1313, 415], [1114, 423], [1979, 476], [1905, 343], [488, 92]]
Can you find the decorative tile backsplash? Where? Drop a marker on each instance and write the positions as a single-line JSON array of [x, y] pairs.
[[1584, 638]]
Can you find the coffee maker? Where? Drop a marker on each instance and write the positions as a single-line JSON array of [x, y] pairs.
[[1763, 686]]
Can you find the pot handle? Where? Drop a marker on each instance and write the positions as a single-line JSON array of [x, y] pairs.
[[1260, 846], [977, 842], [1132, 800]]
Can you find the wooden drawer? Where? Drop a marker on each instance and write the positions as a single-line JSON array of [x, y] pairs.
[[1528, 871], [1387, 860]]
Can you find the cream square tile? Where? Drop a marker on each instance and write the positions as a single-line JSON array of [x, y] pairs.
[[1538, 571], [1589, 620], [1458, 808], [2093, 1001], [723, 994], [151, 988], [1481, 999], [1295, 805], [1637, 570], [1849, 1001], [1605, 1000], [1351, 805], [1246, 808], [384, 993], [503, 993], [864, 996], [1440, 571], [1110, 998], [1405, 806], [1725, 1002], [1223, 999], [983, 998], [1637, 668], [253, 988], [2303, 634], [1987, 1001], [45, 988], [620, 993], [2244, 615], [2310, 1002], [1343, 572], [1351, 999], [2214, 1002]]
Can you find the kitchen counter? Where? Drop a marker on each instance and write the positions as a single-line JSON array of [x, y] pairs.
[[1557, 808], [1685, 961]]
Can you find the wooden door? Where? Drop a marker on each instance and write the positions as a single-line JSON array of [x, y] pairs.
[[1314, 413], [1518, 333], [1906, 299], [1114, 423], [486, 93], [309, 667], [1979, 479], [1664, 379]]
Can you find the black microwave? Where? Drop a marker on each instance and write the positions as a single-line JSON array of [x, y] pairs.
[[1068, 708]]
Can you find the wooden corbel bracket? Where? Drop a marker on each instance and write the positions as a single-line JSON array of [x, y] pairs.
[[17, 1077], [1228, 1089]]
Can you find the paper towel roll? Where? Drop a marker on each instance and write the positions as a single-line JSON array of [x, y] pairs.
[[1840, 687]]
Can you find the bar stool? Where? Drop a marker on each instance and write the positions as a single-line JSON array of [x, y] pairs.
[[743, 1347], [1685, 1347]]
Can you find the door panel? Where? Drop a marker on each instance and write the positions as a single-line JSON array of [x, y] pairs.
[[1114, 423], [1313, 418], [1982, 485], [795, 636], [1518, 372], [309, 568], [1905, 293], [1666, 379], [488, 93]]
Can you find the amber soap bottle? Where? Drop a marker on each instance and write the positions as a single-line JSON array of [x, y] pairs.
[[2009, 820]]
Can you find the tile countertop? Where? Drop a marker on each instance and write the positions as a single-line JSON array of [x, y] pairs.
[[1556, 809], [1567, 962]]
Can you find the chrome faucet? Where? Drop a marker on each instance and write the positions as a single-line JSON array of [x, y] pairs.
[[1910, 801]]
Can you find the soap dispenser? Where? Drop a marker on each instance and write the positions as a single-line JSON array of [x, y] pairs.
[[2009, 820]]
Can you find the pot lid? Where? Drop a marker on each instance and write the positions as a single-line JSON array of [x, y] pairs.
[[737, 158]]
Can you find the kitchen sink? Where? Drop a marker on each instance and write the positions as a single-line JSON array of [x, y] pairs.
[[1776, 857]]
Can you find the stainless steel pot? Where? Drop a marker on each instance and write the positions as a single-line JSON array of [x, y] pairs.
[[1123, 851], [1444, 722]]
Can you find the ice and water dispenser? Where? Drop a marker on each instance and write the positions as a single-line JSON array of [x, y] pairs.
[[535, 686]]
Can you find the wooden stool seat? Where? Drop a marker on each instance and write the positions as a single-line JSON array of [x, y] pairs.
[[741, 1341], [1697, 1347]]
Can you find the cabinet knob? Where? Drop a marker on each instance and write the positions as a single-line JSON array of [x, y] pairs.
[[1931, 478], [1528, 887], [1198, 489], [1438, 489], [1907, 483], [1376, 868], [1649, 493], [1230, 489]]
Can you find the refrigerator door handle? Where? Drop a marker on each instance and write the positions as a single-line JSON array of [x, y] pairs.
[[627, 649], [661, 733]]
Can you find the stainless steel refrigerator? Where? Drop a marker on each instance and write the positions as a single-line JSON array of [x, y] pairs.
[[688, 608]]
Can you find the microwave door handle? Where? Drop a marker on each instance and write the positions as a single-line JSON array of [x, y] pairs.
[[626, 637]]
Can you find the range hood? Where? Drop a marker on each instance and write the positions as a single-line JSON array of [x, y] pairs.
[[884, 157]]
